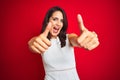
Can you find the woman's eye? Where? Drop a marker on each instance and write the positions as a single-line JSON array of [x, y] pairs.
[[62, 21], [54, 19]]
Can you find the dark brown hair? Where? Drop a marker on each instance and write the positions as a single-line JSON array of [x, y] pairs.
[[62, 34]]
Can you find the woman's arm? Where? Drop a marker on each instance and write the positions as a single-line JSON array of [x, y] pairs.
[[73, 40]]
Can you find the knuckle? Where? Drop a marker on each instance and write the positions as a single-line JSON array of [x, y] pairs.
[[29, 43], [78, 41], [49, 43], [46, 47], [81, 45], [37, 39], [43, 50], [98, 43], [94, 39], [86, 47], [31, 47], [34, 43], [89, 49]]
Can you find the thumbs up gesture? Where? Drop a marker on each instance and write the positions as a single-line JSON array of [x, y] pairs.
[[87, 39], [40, 44]]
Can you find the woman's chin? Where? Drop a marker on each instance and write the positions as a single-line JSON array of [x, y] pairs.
[[55, 35]]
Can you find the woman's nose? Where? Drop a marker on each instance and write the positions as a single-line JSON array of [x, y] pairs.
[[58, 23]]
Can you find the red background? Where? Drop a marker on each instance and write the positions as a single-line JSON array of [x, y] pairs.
[[21, 19]]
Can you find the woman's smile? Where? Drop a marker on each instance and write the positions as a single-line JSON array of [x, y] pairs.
[[55, 29], [57, 23]]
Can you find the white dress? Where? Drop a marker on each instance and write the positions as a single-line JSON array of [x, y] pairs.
[[59, 63]]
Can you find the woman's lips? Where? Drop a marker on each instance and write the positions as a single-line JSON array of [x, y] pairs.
[[55, 29]]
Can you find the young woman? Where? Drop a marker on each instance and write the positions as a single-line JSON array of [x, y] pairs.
[[57, 48]]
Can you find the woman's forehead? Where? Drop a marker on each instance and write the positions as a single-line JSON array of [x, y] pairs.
[[57, 14]]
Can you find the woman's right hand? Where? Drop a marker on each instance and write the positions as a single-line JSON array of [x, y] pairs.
[[41, 43]]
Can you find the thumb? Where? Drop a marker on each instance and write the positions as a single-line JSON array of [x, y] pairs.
[[80, 23], [47, 30]]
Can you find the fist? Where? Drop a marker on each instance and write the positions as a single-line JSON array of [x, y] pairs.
[[87, 39], [41, 43]]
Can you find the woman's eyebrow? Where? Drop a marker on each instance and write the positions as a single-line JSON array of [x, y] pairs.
[[56, 17]]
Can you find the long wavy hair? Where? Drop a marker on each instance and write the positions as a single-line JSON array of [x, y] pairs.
[[62, 34]]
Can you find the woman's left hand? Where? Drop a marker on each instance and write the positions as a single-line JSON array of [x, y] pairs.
[[87, 39]]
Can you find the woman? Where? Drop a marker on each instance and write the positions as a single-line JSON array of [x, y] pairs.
[[57, 48]]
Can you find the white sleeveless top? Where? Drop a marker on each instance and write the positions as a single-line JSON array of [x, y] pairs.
[[59, 63]]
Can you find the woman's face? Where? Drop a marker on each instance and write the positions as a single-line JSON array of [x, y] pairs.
[[57, 23]]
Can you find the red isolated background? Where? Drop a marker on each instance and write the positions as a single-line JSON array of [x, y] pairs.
[[20, 20]]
